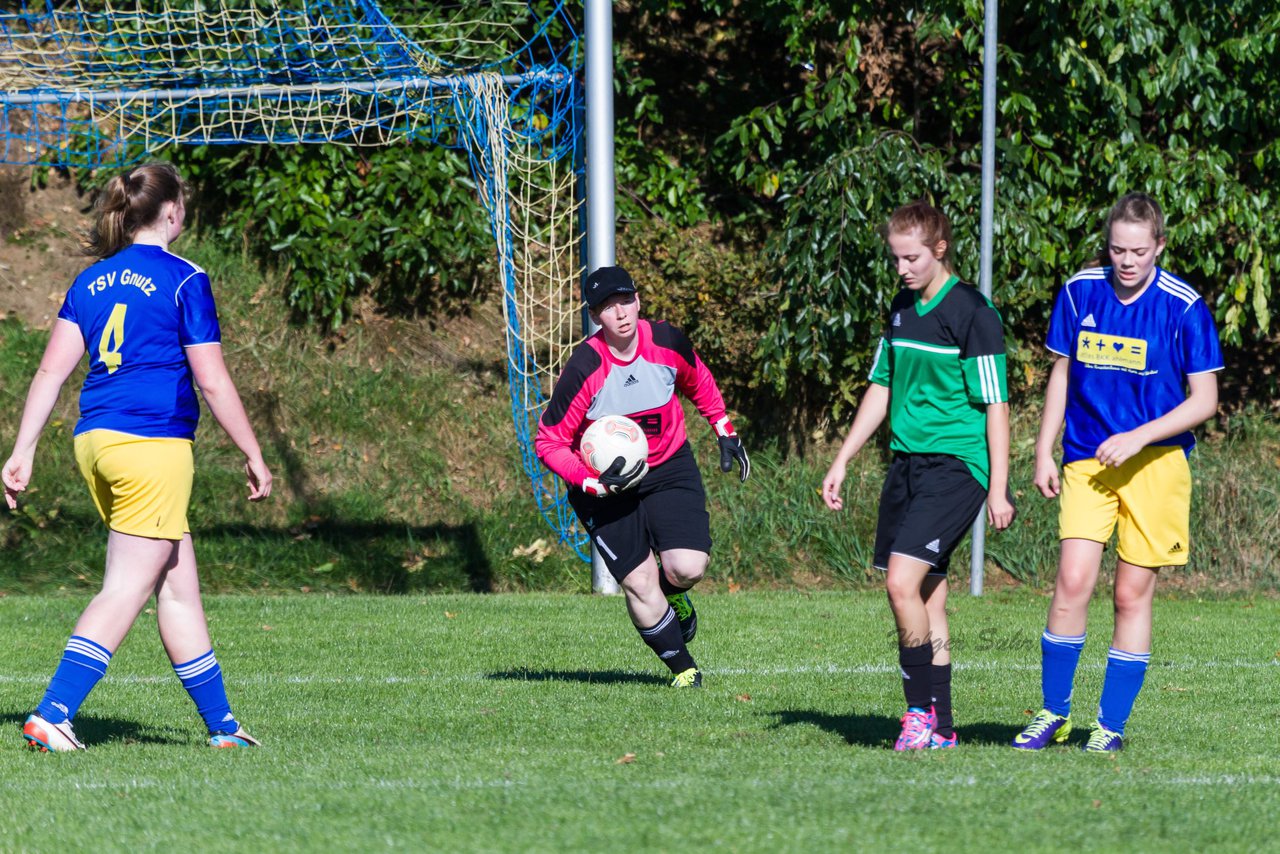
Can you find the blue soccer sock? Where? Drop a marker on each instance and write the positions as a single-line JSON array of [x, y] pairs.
[[1059, 655], [1125, 672], [202, 677], [83, 664]]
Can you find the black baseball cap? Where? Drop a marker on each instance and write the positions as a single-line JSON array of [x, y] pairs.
[[604, 282]]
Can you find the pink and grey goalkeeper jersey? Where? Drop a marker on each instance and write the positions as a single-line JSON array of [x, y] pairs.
[[595, 383]]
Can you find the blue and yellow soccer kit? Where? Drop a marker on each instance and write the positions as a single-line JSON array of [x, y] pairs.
[[137, 311], [1129, 365]]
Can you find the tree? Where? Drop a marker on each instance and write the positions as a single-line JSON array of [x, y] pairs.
[[1096, 98]]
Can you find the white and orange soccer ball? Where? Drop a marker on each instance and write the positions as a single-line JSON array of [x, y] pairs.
[[611, 437]]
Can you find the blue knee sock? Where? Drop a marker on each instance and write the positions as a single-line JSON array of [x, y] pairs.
[[83, 664], [202, 677], [1059, 655], [1125, 672]]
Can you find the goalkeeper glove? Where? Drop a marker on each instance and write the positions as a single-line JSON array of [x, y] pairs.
[[731, 449], [613, 479]]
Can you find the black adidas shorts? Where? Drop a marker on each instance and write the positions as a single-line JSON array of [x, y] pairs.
[[928, 503], [668, 510]]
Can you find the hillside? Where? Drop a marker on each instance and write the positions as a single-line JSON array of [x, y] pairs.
[[390, 439], [39, 250]]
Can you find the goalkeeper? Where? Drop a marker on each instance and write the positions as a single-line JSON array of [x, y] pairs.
[[655, 538]]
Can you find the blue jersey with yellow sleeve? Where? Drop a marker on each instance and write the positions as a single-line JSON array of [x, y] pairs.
[[1129, 363], [137, 310]]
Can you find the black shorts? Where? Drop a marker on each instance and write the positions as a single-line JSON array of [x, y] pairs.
[[668, 510], [928, 503]]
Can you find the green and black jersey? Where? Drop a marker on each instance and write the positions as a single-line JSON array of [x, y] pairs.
[[943, 363]]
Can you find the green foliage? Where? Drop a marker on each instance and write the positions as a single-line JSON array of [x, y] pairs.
[[655, 183], [399, 223], [1096, 99], [717, 290], [830, 258], [683, 72]]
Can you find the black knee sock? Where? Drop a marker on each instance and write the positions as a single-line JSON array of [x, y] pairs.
[[942, 699], [916, 662], [667, 643]]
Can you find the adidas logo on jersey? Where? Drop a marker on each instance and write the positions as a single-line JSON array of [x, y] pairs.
[[631, 380], [1088, 321], [897, 319], [1177, 549], [934, 547]]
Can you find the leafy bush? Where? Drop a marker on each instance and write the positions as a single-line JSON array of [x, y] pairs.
[[717, 290], [401, 223], [1096, 99]]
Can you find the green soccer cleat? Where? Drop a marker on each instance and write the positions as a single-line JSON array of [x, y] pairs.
[[683, 606], [1103, 740], [1045, 728], [691, 678]]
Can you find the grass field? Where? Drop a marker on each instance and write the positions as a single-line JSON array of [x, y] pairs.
[[540, 722]]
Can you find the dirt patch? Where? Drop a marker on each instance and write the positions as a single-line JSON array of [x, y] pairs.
[[40, 231]]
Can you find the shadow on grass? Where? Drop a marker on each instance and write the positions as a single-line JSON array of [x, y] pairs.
[[591, 677], [323, 552], [94, 730], [880, 731], [379, 557], [988, 732], [877, 730], [865, 730]]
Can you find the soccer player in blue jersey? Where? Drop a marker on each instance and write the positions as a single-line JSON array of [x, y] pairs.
[[147, 319], [1137, 356], [939, 377]]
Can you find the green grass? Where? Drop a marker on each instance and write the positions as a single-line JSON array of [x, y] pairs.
[[498, 723]]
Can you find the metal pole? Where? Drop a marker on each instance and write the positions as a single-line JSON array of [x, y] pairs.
[[601, 219], [978, 558]]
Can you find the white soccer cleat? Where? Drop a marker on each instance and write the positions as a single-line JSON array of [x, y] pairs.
[[47, 737], [239, 738]]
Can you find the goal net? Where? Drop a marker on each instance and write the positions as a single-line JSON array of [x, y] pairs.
[[91, 83]]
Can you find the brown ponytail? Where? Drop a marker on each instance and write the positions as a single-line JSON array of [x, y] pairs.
[[130, 202]]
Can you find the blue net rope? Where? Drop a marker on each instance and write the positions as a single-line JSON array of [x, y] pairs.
[[91, 83]]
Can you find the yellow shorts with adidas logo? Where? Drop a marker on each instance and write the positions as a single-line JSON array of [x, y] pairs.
[[140, 485], [1146, 501]]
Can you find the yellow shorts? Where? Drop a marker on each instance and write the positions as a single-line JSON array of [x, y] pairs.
[[141, 486], [1148, 499]]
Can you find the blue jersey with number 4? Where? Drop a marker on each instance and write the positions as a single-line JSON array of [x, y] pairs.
[[137, 310], [1129, 363]]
